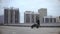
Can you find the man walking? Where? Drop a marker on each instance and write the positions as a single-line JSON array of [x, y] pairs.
[[36, 25]]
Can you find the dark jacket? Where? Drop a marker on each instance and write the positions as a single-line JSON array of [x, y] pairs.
[[38, 22]]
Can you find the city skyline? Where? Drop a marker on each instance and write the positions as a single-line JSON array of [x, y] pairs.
[[14, 12], [32, 12], [52, 5]]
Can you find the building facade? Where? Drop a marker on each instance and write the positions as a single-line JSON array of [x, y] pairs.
[[58, 19], [42, 13], [1, 19], [30, 17], [11, 16], [49, 19]]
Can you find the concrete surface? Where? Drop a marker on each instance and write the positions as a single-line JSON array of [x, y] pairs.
[[28, 30]]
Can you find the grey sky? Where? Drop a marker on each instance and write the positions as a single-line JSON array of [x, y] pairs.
[[53, 6]]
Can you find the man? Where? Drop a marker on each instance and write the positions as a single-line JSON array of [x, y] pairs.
[[36, 25]]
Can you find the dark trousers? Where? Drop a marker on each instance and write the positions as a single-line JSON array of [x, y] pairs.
[[35, 25]]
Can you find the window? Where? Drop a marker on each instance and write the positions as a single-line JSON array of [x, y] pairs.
[[43, 20], [16, 16], [11, 16], [27, 18], [54, 20], [6, 16], [51, 20], [33, 18], [46, 20], [59, 17]]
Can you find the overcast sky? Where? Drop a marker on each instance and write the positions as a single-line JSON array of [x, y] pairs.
[[53, 6]]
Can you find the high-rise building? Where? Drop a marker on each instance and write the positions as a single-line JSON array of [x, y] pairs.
[[30, 17], [11, 16], [42, 12]]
